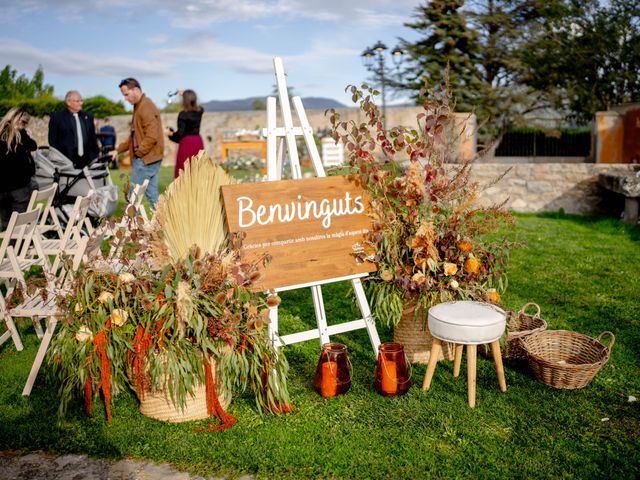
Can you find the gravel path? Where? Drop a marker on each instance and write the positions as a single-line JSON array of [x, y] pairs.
[[15, 465]]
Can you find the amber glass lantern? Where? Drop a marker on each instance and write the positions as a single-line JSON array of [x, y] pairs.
[[392, 370], [333, 375]]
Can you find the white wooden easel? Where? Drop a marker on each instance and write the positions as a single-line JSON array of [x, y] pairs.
[[277, 139]]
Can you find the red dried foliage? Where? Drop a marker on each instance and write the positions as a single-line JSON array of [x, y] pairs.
[[100, 342], [141, 345], [88, 395], [213, 403]]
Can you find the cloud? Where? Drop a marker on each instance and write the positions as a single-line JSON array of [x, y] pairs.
[[204, 48], [157, 39], [72, 62], [193, 14], [199, 13]]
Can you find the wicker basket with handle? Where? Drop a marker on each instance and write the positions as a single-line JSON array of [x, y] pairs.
[[565, 359], [413, 333], [519, 325]]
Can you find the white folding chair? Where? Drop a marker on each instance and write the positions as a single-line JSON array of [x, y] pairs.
[[48, 217], [11, 329], [136, 197], [21, 248], [19, 238], [38, 306], [72, 236]]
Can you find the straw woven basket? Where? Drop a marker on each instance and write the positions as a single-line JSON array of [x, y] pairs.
[[565, 359], [158, 405], [520, 325], [413, 333]]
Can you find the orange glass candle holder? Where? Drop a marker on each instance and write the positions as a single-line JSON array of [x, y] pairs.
[[333, 375], [392, 375]]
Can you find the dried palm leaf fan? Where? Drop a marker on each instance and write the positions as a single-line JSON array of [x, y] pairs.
[[190, 211]]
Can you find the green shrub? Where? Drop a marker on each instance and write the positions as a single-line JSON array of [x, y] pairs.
[[98, 106], [39, 107]]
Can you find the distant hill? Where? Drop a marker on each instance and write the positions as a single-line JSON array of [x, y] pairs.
[[245, 104]]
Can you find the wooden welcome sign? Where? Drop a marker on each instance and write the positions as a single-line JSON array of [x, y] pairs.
[[311, 227]]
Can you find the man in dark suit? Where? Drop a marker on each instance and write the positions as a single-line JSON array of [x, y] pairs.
[[70, 125]]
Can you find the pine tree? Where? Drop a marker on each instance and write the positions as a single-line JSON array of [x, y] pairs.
[[480, 42], [447, 41]]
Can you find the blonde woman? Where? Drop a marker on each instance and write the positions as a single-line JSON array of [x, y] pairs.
[[16, 163]]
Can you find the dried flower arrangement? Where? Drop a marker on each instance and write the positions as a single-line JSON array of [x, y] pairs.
[[168, 303], [429, 235]]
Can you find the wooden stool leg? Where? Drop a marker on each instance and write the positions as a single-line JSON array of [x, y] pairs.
[[457, 360], [472, 350], [436, 346], [497, 358]]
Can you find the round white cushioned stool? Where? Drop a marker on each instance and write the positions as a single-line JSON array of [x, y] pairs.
[[471, 324]]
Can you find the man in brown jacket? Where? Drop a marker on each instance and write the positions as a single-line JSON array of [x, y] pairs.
[[146, 141]]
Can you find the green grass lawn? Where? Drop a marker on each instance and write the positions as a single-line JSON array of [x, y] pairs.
[[583, 272]]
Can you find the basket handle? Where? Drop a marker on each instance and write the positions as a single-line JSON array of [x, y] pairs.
[[612, 339], [531, 304]]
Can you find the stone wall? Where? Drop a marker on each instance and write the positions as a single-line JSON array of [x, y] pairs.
[[527, 187], [215, 123], [543, 187], [537, 159]]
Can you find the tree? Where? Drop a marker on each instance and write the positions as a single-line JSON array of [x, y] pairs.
[[504, 29], [508, 58], [258, 104], [587, 57], [37, 98], [479, 43], [14, 87], [100, 107], [447, 41]]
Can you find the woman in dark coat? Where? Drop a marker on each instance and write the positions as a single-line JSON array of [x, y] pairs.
[[17, 165], [188, 135]]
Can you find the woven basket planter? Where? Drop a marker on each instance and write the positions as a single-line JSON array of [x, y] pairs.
[[158, 405], [521, 325], [413, 333], [565, 359]]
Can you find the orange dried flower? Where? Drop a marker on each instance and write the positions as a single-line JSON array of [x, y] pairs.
[[465, 246], [492, 296], [419, 278], [422, 263], [472, 265], [449, 268]]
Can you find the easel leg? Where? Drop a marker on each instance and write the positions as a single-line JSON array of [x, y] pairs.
[[366, 314], [273, 328], [321, 316]]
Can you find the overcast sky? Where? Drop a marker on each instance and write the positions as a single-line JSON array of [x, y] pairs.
[[223, 49]]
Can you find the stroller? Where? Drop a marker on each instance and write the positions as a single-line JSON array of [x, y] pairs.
[[52, 166]]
